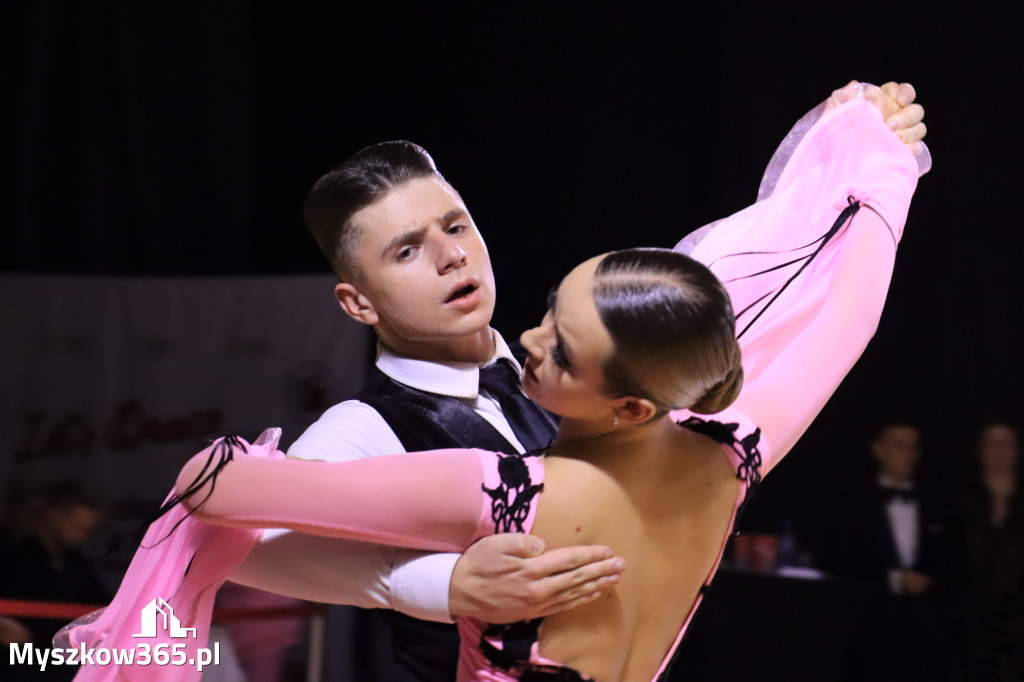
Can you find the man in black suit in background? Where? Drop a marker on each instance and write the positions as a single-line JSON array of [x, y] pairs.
[[896, 543]]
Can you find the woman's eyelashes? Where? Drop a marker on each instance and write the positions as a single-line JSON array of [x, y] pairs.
[[559, 357], [557, 354]]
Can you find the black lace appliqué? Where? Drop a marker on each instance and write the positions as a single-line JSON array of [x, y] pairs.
[[749, 469], [512, 498], [517, 640]]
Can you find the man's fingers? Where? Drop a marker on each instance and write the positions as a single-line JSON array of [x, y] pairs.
[[566, 605], [905, 118], [906, 94], [903, 93], [913, 134], [584, 579], [892, 88], [584, 588], [517, 545], [582, 593], [558, 561]]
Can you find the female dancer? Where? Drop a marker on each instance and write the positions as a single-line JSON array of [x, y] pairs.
[[633, 345]]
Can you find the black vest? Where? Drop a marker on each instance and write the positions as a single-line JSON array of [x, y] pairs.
[[426, 651]]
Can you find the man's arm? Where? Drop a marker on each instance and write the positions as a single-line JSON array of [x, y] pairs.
[[503, 578]]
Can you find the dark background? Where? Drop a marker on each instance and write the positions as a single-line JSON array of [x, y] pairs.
[[178, 138]]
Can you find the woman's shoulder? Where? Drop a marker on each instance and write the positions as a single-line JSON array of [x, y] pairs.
[[736, 433]]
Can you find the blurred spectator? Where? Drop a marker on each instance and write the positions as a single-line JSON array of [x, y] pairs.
[[46, 525], [23, 505], [896, 541], [991, 525], [13, 632]]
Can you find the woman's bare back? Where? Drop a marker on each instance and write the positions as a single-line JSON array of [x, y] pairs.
[[665, 508]]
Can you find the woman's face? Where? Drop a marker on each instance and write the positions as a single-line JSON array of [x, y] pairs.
[[566, 353], [997, 449]]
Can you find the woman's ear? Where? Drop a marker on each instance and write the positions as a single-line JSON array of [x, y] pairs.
[[355, 304], [633, 410]]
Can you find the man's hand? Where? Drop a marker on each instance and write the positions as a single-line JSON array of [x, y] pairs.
[[914, 582], [508, 577], [908, 122], [897, 103]]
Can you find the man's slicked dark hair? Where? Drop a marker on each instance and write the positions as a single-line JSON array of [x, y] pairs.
[[363, 178]]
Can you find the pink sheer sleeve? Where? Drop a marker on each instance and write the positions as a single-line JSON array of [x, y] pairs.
[[440, 500], [808, 267], [430, 500]]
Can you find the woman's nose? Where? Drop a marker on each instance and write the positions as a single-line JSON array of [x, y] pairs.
[[532, 344]]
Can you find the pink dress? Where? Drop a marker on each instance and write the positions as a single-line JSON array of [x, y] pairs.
[[447, 499]]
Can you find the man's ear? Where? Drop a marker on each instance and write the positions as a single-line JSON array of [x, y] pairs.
[[634, 410], [355, 304]]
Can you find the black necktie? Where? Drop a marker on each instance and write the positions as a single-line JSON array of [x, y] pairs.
[[534, 428]]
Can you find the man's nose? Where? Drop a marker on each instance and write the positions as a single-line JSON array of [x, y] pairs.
[[451, 257]]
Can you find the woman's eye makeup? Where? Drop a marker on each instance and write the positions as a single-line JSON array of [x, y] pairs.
[[559, 357], [557, 353]]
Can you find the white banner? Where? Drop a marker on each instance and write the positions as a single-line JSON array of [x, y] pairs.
[[116, 381]]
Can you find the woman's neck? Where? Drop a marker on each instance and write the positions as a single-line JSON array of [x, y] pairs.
[[578, 438]]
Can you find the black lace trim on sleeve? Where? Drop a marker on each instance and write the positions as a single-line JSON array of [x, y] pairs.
[[749, 469], [512, 498], [220, 455]]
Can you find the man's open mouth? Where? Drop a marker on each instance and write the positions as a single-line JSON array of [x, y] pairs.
[[462, 292]]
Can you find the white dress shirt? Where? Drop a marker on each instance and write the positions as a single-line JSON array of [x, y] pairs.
[[905, 527], [348, 572]]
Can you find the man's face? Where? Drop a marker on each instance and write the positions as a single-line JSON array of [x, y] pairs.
[[897, 450], [426, 281]]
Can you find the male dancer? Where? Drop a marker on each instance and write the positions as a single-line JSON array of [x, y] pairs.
[[412, 264]]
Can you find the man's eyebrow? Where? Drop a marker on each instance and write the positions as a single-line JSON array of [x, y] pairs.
[[453, 215], [404, 238], [417, 234]]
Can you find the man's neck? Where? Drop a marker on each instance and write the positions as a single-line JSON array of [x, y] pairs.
[[475, 349], [897, 481]]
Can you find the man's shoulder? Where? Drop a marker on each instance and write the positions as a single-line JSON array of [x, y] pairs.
[[349, 430]]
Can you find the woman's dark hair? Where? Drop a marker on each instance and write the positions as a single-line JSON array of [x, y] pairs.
[[672, 328], [362, 179]]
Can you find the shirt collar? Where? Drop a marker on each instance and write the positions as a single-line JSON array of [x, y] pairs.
[[886, 482], [455, 379]]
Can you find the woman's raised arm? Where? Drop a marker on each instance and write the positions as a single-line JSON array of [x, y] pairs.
[[834, 220]]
